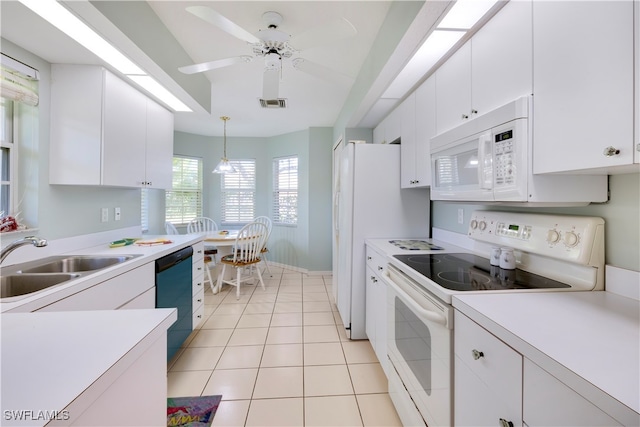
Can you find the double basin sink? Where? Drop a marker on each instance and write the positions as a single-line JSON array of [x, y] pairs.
[[20, 280]]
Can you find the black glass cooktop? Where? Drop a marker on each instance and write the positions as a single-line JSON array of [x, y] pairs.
[[467, 272]]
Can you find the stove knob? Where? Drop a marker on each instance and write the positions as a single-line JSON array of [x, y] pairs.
[[553, 236], [474, 224], [483, 225], [571, 239]]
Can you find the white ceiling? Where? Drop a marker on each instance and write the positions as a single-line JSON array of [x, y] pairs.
[[312, 101]]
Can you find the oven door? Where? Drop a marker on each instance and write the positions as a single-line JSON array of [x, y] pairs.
[[420, 351], [463, 169]]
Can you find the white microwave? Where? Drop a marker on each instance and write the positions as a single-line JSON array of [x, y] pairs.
[[489, 159]]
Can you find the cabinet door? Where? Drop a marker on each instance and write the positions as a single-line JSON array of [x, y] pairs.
[[370, 307], [582, 84], [124, 134], [548, 402], [408, 142], [453, 90], [487, 375], [159, 147], [393, 126], [425, 129], [501, 58], [76, 124]]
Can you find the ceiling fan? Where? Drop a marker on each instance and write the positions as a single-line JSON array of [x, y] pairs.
[[275, 46]]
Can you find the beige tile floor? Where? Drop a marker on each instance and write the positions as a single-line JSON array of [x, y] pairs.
[[280, 357]]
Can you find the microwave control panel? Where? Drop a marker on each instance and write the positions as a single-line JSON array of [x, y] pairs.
[[504, 155]]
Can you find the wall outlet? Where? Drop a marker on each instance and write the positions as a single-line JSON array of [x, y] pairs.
[[460, 216], [116, 214], [104, 214]]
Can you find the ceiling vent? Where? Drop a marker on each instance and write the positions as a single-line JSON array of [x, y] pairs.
[[273, 103]]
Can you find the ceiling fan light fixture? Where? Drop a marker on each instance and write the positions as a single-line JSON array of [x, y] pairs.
[[225, 166]]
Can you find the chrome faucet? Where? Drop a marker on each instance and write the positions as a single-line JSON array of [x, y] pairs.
[[29, 240]]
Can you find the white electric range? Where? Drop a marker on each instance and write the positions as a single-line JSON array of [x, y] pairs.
[[553, 253]]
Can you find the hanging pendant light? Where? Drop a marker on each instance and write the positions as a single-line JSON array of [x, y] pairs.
[[224, 166]]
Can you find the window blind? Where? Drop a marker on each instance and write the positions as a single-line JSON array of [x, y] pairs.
[[18, 82], [285, 190], [184, 200], [238, 193]]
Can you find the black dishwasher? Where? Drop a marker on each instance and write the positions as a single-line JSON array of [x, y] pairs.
[[174, 290]]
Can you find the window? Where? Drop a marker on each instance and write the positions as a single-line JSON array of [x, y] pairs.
[[7, 151], [285, 190], [184, 200], [239, 193]]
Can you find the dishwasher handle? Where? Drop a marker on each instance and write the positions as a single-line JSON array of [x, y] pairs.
[[174, 258]]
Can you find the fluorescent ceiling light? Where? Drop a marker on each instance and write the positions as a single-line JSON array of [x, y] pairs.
[[69, 24], [437, 44], [160, 91], [465, 13]]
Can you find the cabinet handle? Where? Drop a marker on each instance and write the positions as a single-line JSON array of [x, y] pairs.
[[476, 354], [380, 268], [199, 284], [199, 299], [373, 279], [505, 423], [464, 116], [199, 316], [368, 258], [473, 111], [611, 151]]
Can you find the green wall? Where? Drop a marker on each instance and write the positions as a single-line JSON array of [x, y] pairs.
[[621, 215]]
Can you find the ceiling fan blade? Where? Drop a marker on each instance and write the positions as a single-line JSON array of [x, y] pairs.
[[212, 65], [332, 31], [321, 71], [211, 16], [270, 84]]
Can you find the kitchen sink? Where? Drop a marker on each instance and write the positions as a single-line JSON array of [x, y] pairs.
[[20, 280], [23, 284], [75, 264]]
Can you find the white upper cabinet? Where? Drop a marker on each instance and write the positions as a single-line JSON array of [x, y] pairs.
[[490, 70], [501, 58], [425, 128], [583, 76], [105, 132], [453, 90], [389, 129]]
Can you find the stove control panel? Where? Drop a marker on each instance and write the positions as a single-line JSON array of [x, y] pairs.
[[571, 238]]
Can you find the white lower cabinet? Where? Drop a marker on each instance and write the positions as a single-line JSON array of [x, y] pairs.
[[496, 386], [487, 378], [198, 284], [547, 401], [111, 294], [376, 305]]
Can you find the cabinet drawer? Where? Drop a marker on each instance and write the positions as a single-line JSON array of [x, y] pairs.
[[376, 261], [198, 299], [198, 316], [486, 370], [198, 252], [198, 283], [198, 268]]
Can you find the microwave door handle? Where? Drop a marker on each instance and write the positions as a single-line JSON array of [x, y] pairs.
[[421, 312], [485, 177]]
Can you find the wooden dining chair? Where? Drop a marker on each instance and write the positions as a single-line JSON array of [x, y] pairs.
[[247, 250], [267, 222], [200, 225]]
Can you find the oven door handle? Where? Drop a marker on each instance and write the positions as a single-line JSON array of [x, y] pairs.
[[428, 315]]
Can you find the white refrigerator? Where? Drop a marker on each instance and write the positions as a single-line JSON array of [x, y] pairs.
[[368, 203]]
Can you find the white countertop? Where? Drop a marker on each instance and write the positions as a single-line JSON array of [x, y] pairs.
[[147, 254], [48, 359], [588, 340]]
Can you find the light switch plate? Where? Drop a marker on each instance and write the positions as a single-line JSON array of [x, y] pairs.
[[116, 214], [104, 215]]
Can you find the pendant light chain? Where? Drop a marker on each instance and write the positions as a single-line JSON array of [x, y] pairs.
[[225, 118]]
